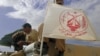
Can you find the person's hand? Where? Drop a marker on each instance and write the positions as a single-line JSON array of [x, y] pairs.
[[20, 43], [60, 44]]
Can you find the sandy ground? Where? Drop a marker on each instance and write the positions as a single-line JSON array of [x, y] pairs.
[[76, 50]]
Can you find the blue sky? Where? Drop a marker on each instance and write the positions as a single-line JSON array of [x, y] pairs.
[[7, 24], [14, 13]]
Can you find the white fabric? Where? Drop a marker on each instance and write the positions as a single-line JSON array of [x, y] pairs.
[[29, 50], [64, 23]]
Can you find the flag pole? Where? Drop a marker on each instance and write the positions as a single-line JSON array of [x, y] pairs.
[[41, 37]]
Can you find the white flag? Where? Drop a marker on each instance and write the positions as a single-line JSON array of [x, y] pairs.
[[64, 23]]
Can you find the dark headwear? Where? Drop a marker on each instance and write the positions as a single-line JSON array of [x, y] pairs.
[[27, 25]]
